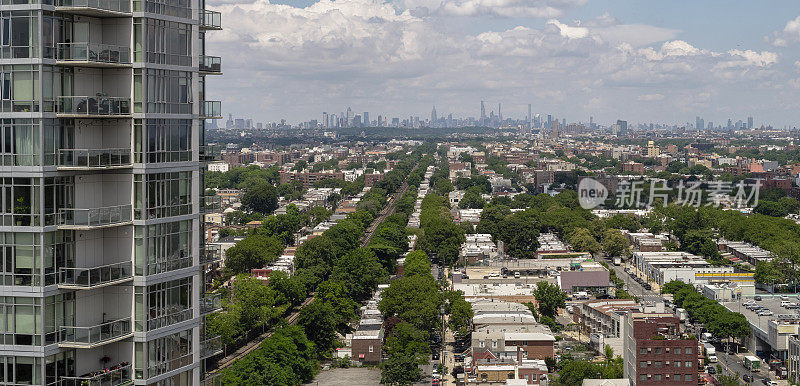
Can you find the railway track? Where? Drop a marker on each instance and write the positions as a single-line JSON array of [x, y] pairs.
[[292, 318], [253, 345]]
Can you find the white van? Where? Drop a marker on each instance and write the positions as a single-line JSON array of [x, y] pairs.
[[712, 359], [516, 275]]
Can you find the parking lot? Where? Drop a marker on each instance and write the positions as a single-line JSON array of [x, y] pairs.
[[767, 302]]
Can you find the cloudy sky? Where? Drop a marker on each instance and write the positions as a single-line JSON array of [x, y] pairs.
[[641, 60]]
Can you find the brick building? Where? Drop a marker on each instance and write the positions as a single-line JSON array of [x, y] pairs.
[[655, 351], [308, 179]]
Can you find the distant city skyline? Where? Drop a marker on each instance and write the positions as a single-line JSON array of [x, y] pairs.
[[641, 61]]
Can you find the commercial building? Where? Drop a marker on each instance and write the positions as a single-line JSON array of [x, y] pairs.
[[663, 267], [591, 277], [103, 119], [655, 351]]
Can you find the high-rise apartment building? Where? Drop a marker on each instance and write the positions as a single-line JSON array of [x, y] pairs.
[[103, 110]]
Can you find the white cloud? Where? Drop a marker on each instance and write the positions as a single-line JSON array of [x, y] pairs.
[[287, 62], [498, 8], [789, 35], [650, 97]]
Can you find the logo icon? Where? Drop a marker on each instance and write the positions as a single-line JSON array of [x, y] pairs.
[[591, 193]]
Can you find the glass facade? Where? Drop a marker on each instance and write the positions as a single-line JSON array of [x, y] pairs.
[[85, 86]]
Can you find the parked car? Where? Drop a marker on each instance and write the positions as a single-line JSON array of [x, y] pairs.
[[711, 370], [747, 378], [757, 298], [647, 286]]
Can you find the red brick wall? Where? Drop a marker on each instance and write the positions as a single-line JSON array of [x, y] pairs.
[[361, 346]]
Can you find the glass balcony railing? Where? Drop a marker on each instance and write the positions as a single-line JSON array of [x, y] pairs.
[[87, 278], [93, 53], [211, 110], [210, 303], [210, 64], [113, 376], [210, 254], [210, 204], [211, 347], [93, 336], [95, 217], [94, 158], [211, 380], [97, 7], [210, 19], [87, 106], [210, 153]]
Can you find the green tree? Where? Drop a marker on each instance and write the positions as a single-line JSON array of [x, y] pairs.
[[261, 198], [459, 311], [582, 240], [415, 299], [472, 200], [520, 232], [360, 272], [406, 339], [416, 263], [400, 369], [254, 251], [319, 321], [335, 294], [550, 298], [614, 242]]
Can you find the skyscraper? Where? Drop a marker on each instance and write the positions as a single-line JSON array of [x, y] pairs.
[[103, 242], [529, 115], [500, 111], [366, 119], [433, 116], [749, 122], [483, 114], [699, 123], [325, 123]]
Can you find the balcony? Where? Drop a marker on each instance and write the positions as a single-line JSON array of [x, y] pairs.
[[210, 204], [211, 380], [210, 303], [210, 65], [95, 8], [114, 376], [211, 347], [211, 110], [210, 20], [96, 277], [93, 55], [210, 254], [95, 336], [210, 153], [94, 217], [89, 159], [98, 106]]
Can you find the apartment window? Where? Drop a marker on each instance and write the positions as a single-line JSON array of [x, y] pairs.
[[677, 363], [687, 378], [657, 377], [23, 260], [19, 142], [167, 303], [162, 247], [657, 363], [481, 344], [19, 34], [162, 355], [163, 140], [642, 363], [643, 377], [21, 320], [176, 8], [658, 350], [371, 349], [168, 91], [59, 365], [676, 378], [167, 42], [58, 194], [20, 370], [160, 195], [20, 201], [642, 351], [688, 363], [494, 344], [687, 350], [19, 88], [677, 350]]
